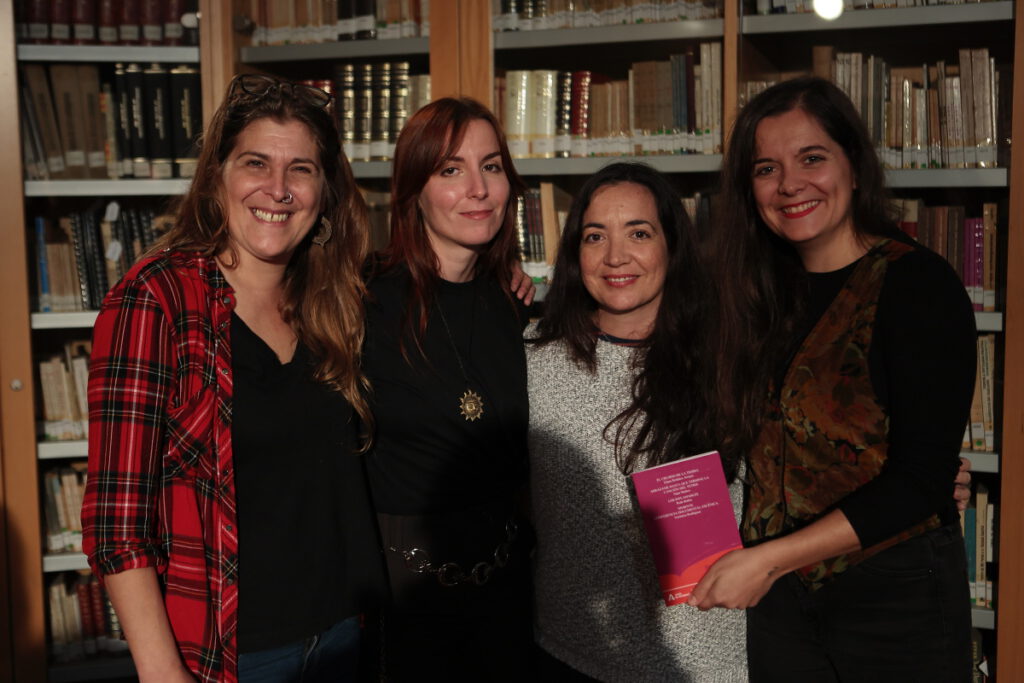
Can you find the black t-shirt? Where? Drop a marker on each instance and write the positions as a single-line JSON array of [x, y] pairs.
[[922, 365], [308, 551], [427, 457]]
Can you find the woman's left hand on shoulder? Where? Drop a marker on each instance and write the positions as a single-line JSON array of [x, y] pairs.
[[736, 581], [522, 284]]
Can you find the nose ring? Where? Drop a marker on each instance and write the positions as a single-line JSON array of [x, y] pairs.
[[287, 198]]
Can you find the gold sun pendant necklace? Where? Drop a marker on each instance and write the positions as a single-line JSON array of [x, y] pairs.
[[471, 404]]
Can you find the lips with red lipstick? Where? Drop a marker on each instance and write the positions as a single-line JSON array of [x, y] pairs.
[[799, 210]]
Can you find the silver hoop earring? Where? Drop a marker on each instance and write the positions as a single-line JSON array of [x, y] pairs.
[[288, 198], [324, 233]]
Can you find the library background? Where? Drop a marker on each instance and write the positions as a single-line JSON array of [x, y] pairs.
[[105, 98]]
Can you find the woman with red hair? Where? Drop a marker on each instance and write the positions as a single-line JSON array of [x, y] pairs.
[[445, 362]]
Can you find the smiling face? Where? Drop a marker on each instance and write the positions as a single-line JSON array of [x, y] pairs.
[[463, 204], [270, 161], [803, 184], [623, 259]]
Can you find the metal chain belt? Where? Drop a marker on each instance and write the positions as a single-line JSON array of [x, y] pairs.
[[451, 574]]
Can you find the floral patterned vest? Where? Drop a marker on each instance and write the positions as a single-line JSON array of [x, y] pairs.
[[826, 434]]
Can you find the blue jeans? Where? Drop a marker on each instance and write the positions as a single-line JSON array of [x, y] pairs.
[[902, 615], [330, 656]]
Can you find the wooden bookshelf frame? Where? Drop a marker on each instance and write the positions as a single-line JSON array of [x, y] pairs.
[[23, 630], [1010, 592]]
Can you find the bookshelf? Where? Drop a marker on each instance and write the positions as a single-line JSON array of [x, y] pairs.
[[462, 53], [23, 636]]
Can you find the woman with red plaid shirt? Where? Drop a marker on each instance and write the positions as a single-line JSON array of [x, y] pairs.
[[226, 508]]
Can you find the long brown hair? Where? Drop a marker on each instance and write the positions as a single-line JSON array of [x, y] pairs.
[[673, 394], [431, 137], [323, 286], [761, 281]]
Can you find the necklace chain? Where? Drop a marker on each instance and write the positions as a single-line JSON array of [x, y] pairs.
[[471, 404]]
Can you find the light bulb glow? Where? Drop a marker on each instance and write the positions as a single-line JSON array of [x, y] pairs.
[[828, 9]]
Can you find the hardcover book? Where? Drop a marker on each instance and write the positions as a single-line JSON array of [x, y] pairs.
[[689, 520]]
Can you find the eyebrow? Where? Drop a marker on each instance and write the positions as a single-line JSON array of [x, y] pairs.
[[629, 224], [489, 156], [802, 150], [266, 157]]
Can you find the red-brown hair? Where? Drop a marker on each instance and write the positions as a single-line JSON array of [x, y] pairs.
[[429, 139]]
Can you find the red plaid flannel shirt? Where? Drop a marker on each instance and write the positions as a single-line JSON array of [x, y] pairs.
[[161, 490]]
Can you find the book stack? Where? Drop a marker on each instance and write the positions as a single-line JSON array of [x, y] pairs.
[[542, 15], [978, 523], [291, 22], [80, 255], [63, 489], [107, 22], [969, 244], [372, 104], [980, 432], [132, 121], [82, 620], [661, 107], [64, 380]]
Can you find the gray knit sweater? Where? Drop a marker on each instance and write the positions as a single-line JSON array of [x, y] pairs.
[[598, 604]]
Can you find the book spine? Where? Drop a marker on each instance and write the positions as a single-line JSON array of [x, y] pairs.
[[68, 105], [122, 120], [128, 29], [363, 112], [400, 102], [380, 111], [60, 22], [173, 30], [366, 19], [107, 22], [345, 106], [186, 118], [136, 121], [151, 22], [42, 266], [37, 21], [83, 22], [157, 121], [517, 112]]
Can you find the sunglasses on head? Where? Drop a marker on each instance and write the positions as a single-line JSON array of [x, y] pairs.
[[259, 86]]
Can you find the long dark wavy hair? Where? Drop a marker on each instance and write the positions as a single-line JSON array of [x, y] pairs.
[[759, 276], [323, 286], [429, 139], [672, 394]]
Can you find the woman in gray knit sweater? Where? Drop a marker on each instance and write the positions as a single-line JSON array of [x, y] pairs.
[[625, 306]]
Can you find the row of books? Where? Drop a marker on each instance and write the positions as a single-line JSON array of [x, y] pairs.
[[980, 432], [63, 489], [662, 107], [290, 22], [82, 254], [82, 620], [938, 116], [804, 6], [107, 22], [372, 103], [969, 244], [541, 15], [64, 379], [978, 523], [135, 121]]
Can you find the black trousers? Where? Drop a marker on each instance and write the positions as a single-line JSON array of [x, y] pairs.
[[902, 615]]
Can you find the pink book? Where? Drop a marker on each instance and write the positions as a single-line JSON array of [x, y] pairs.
[[689, 520]]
